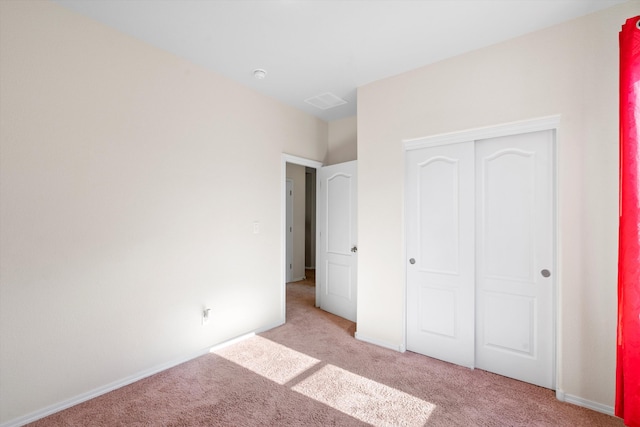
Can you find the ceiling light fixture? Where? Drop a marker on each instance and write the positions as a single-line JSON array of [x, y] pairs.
[[259, 73]]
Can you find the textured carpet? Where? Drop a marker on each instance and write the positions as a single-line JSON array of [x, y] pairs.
[[311, 371]]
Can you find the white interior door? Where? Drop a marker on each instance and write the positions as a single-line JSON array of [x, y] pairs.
[[514, 257], [440, 269], [289, 231], [336, 280]]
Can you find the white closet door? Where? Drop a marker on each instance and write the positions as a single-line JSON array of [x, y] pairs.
[[514, 257], [440, 252], [480, 274]]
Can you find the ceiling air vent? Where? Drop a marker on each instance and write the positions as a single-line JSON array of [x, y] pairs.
[[325, 101]]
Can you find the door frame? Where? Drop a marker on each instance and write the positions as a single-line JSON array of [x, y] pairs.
[[506, 129], [284, 159]]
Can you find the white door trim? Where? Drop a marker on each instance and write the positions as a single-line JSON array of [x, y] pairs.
[[506, 129], [284, 159]]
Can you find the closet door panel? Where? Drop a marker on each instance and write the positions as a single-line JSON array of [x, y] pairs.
[[440, 274], [514, 244]]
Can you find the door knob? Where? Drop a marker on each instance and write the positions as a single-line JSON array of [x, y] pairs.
[[412, 261], [354, 249], [545, 273]]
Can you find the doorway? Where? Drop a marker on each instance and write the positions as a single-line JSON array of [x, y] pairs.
[[289, 229], [302, 253], [300, 226]]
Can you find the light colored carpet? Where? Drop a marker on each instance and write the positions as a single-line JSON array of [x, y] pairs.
[[311, 371], [349, 393]]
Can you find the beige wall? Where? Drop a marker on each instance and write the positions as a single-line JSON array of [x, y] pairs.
[[123, 213], [571, 70], [343, 141], [297, 174]]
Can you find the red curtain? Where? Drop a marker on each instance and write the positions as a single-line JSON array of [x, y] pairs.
[[628, 344]]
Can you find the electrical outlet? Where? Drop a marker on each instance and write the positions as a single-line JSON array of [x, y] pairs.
[[205, 316]]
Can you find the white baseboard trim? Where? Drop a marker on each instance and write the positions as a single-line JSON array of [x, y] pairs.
[[297, 279], [60, 406], [400, 348], [244, 337], [579, 401], [269, 327], [230, 342]]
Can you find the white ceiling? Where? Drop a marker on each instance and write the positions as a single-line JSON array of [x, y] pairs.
[[310, 47]]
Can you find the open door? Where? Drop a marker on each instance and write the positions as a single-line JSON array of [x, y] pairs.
[[336, 269]]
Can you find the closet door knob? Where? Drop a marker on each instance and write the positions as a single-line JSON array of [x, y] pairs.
[[412, 261], [545, 273]]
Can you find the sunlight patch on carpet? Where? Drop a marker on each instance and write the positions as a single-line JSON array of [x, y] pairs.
[[365, 399], [267, 358]]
